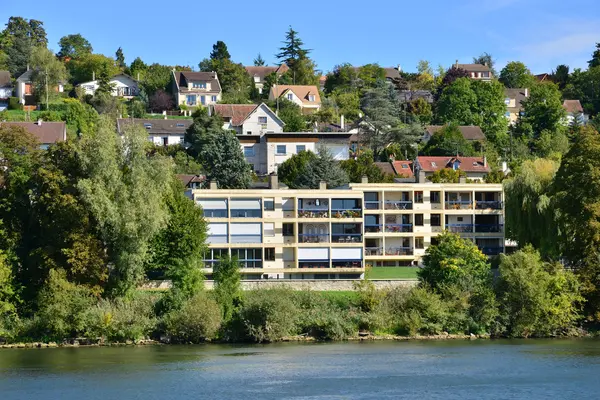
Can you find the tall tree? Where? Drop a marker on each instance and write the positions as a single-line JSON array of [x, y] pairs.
[[17, 41], [220, 52], [234, 79], [259, 61], [448, 141], [306, 170], [296, 57], [486, 59], [516, 75], [363, 165], [380, 106], [560, 76], [74, 46], [595, 61], [120, 58], [85, 68], [543, 108], [48, 72]]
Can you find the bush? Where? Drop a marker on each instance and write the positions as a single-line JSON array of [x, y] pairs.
[[322, 317], [267, 315], [14, 104], [198, 319], [423, 311]]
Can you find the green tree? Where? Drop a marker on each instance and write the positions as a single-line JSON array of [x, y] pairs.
[[234, 79], [291, 114], [17, 41], [363, 166], [74, 46], [296, 57], [595, 61], [486, 59], [259, 61], [48, 72], [543, 109], [560, 76], [228, 288], [516, 75], [306, 170], [380, 106], [490, 108], [446, 175], [448, 141], [120, 58], [8, 292], [219, 51], [457, 103], [84, 68], [421, 109]]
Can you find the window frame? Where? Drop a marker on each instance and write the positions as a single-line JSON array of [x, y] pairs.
[[278, 148], [269, 254], [287, 229], [422, 218], [251, 148], [298, 146]]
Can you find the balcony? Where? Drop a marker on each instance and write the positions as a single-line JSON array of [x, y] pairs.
[[242, 238], [491, 251], [314, 264], [312, 213], [351, 213], [399, 251], [215, 213], [373, 251], [250, 263], [460, 228], [241, 213], [488, 205], [489, 228], [375, 228], [459, 205], [398, 205], [372, 205], [346, 238], [398, 228], [313, 238], [346, 264]]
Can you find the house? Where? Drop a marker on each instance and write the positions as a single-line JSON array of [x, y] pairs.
[[513, 99], [476, 71], [196, 89], [305, 96], [392, 73], [25, 90], [543, 77], [47, 133], [6, 89], [475, 168], [471, 133], [161, 132], [402, 168], [259, 73], [122, 85], [574, 110], [191, 181], [248, 119]]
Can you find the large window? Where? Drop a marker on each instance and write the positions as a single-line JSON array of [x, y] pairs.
[[213, 256], [434, 197], [290, 97], [248, 258], [249, 151], [213, 99], [245, 208], [269, 204], [346, 233], [419, 197], [262, 120], [281, 150], [436, 220], [191, 100], [203, 100], [419, 243], [269, 254], [345, 204], [269, 228], [418, 219], [300, 148]]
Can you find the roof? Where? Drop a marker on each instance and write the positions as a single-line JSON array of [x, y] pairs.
[[302, 91], [469, 132], [157, 126], [467, 164], [386, 167], [25, 76], [403, 167], [572, 106], [188, 179], [392, 73], [111, 78], [183, 77], [5, 79], [237, 112], [542, 77], [410, 95], [45, 132], [473, 67], [262, 71], [322, 135], [519, 95]]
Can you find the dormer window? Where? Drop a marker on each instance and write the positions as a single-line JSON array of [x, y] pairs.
[[433, 164], [199, 85], [148, 126], [257, 79], [507, 101], [311, 97], [290, 97], [456, 165]]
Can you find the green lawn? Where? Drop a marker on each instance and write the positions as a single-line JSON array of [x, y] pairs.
[[393, 273]]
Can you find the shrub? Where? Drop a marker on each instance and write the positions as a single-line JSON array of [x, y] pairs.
[[14, 104], [267, 315], [198, 319], [322, 317], [423, 312]]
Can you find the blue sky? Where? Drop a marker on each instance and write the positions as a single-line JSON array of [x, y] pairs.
[[540, 33]]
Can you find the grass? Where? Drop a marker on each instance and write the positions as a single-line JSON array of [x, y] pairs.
[[393, 273]]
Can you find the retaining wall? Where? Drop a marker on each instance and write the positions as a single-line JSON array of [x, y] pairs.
[[297, 284]]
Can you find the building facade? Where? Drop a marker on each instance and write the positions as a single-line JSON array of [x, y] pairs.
[[161, 132], [196, 89], [122, 85], [335, 233]]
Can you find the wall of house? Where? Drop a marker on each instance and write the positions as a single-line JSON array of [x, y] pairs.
[[172, 139], [117, 83], [255, 159], [5, 93], [182, 98], [252, 124]]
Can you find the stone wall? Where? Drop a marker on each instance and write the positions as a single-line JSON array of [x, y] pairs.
[[297, 284]]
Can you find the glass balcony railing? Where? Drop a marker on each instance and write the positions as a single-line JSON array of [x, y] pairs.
[[346, 238], [373, 205], [313, 238], [215, 213], [350, 213], [488, 205], [312, 213], [489, 228], [314, 264], [398, 205], [373, 251], [246, 213], [459, 205], [399, 251], [460, 228], [398, 228], [373, 228]]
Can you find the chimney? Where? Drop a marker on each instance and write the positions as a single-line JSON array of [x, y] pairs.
[[462, 179], [399, 68], [364, 179], [456, 65], [273, 181], [93, 75], [504, 166], [526, 92], [27, 67], [39, 122], [213, 185], [486, 64], [421, 176], [342, 122], [322, 185]]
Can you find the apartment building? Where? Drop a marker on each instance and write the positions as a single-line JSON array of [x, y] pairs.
[[281, 233]]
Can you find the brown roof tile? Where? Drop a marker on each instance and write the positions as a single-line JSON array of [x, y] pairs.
[[473, 67], [572, 106], [263, 71], [156, 126], [302, 91], [467, 164], [403, 167], [182, 78], [45, 132], [236, 112]]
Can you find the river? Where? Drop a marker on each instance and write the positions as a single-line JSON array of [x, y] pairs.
[[502, 369]]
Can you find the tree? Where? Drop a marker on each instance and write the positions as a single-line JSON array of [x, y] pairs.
[[161, 101], [560, 76], [421, 109], [17, 41], [486, 59], [219, 51], [344, 77], [80, 117], [120, 58], [446, 175], [380, 106], [157, 77], [595, 61], [219, 152], [234, 79], [259, 61], [228, 288], [291, 114], [490, 108], [8, 293], [85, 68], [448, 141], [363, 166], [450, 76], [306, 170], [295, 56], [125, 191], [516, 75], [74, 46], [457, 103], [543, 109], [48, 72]]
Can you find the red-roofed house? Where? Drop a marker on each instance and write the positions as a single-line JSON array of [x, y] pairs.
[[248, 119], [475, 168]]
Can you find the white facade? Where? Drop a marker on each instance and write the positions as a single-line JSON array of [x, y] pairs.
[[166, 139], [123, 86], [261, 120], [281, 151]]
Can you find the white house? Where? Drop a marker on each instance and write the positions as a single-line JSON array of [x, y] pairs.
[[25, 90], [305, 96], [123, 86], [161, 132], [196, 89], [5, 89], [574, 110], [248, 119]]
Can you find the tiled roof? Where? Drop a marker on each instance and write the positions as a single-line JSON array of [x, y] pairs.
[[156, 126], [26, 76], [302, 91], [572, 106], [473, 67], [467, 164], [182, 78], [519, 95], [188, 179], [403, 167], [237, 112], [5, 79], [263, 71], [469, 132], [386, 167], [45, 132]]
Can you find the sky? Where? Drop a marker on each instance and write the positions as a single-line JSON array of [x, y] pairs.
[[542, 34]]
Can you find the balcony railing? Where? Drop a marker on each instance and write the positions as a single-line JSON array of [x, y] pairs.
[[398, 228], [488, 205], [488, 228], [312, 213], [374, 228], [240, 213], [313, 238], [436, 228], [314, 264], [243, 238], [373, 205], [351, 213], [250, 263], [398, 205], [399, 251], [460, 228], [459, 205], [373, 251], [215, 213], [491, 251], [346, 238], [346, 264]]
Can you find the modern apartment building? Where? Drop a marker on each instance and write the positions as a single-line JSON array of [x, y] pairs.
[[281, 233]]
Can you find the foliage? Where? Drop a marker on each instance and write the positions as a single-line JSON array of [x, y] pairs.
[[446, 175], [292, 53], [306, 170], [120, 58], [198, 319], [80, 116], [485, 59], [73, 46], [48, 72], [83, 69], [161, 101], [291, 114], [516, 75], [8, 293], [18, 39], [235, 81], [380, 106], [259, 61], [595, 61], [228, 289], [268, 315], [363, 165], [543, 109], [448, 141], [421, 109]]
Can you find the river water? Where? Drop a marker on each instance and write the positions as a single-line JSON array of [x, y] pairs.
[[503, 369]]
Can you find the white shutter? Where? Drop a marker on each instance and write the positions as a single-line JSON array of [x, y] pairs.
[[245, 204], [245, 229], [346, 253], [212, 204], [269, 229], [313, 254], [217, 229]]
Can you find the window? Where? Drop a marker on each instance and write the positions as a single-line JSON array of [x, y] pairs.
[[300, 148], [180, 125], [212, 257], [249, 151], [436, 220], [419, 197], [262, 120], [459, 219], [269, 254], [419, 243], [311, 97], [507, 114], [269, 204], [433, 164], [257, 79], [418, 219], [288, 229], [269, 229], [213, 99], [290, 97], [248, 132], [199, 85], [181, 140], [507, 101], [434, 197], [287, 204], [203, 100], [248, 258], [191, 100], [281, 150], [148, 126], [165, 141]]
